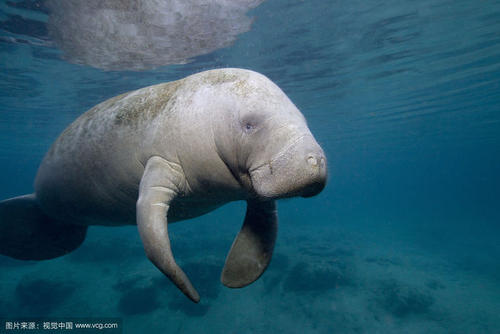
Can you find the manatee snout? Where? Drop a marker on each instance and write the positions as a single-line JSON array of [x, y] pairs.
[[299, 170], [316, 162]]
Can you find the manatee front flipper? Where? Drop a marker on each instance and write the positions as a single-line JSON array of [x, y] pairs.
[[160, 184], [253, 247], [27, 233]]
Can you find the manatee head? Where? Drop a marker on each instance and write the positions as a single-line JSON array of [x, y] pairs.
[[263, 138]]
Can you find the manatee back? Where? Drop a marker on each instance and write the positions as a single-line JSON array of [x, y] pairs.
[[92, 171]]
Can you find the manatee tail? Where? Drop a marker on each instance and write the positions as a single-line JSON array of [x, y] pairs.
[[26, 233]]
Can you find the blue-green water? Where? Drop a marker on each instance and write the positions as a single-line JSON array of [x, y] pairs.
[[404, 97]]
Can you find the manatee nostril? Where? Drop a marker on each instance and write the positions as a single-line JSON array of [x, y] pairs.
[[316, 160], [311, 160], [322, 161]]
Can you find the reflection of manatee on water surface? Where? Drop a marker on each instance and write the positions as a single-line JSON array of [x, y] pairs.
[[140, 35], [175, 150]]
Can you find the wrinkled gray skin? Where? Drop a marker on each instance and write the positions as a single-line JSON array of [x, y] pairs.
[[179, 150]]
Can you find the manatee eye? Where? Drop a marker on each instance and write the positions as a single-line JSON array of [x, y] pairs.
[[250, 123], [248, 126]]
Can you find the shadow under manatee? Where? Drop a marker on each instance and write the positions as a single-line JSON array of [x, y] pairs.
[[125, 284], [142, 295], [139, 301], [304, 278], [38, 297], [138, 295], [323, 268], [206, 279], [402, 300]]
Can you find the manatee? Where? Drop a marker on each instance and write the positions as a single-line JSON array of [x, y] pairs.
[[167, 153]]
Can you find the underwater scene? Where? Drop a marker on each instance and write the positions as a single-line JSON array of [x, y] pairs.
[[397, 232]]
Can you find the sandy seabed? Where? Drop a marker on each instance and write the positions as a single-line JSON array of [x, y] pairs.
[[328, 280]]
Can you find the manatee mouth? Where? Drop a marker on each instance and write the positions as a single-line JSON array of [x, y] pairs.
[[313, 189]]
